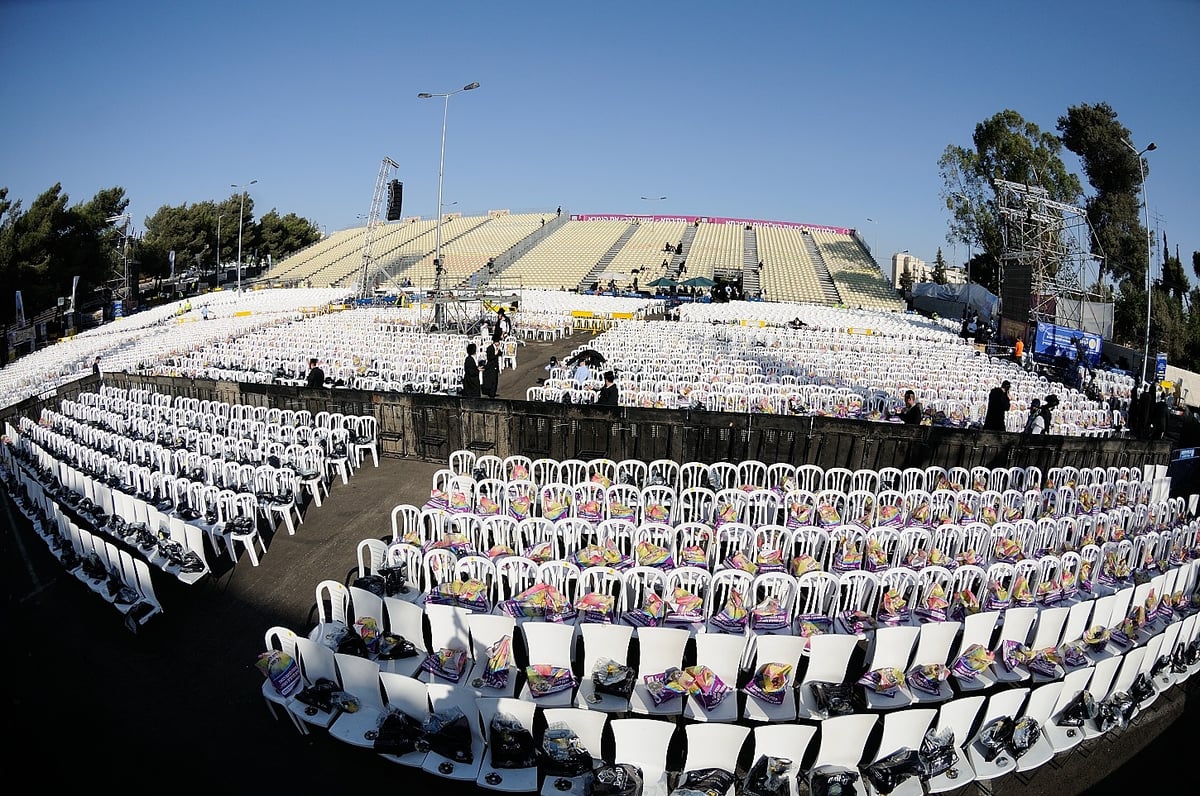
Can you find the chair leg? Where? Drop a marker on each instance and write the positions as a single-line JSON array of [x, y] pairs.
[[252, 551]]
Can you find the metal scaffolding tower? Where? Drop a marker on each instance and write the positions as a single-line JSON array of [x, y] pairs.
[[1047, 261], [118, 280], [385, 170]]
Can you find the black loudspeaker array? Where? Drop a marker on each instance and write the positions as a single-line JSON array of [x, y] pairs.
[[395, 199]]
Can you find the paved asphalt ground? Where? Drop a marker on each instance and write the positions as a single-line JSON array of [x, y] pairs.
[[178, 707]]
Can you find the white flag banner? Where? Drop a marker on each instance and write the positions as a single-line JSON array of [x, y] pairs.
[[74, 287], [20, 310], [172, 257]]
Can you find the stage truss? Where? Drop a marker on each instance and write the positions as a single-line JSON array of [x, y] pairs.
[[1051, 242], [373, 223]]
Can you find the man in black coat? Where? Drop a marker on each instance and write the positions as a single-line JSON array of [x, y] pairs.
[[998, 405], [316, 376], [491, 371], [470, 385], [608, 393]]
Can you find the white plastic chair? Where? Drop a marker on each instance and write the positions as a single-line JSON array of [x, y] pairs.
[[713, 746], [977, 629], [775, 649], [359, 677], [317, 662], [589, 726], [602, 641], [281, 639], [551, 644], [405, 619], [644, 743], [659, 648], [724, 582], [786, 742], [1004, 703], [509, 780], [332, 599], [842, 745], [444, 697], [723, 653], [933, 646], [487, 630], [411, 697], [957, 716], [1039, 707], [891, 648], [448, 629], [828, 662], [904, 729]]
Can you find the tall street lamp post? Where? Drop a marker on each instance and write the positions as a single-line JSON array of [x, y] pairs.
[[437, 252], [241, 209], [218, 272], [1149, 252], [653, 198]]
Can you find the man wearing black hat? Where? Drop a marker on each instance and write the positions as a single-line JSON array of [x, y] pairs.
[[998, 405], [1048, 405]]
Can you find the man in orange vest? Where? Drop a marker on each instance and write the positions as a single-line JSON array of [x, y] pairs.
[[1019, 350]]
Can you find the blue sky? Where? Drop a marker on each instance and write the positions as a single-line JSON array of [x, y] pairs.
[[820, 112]]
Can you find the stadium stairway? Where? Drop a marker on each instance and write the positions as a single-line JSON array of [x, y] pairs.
[[828, 288]]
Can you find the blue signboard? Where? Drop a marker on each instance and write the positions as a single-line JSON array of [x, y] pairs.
[[1051, 342], [1160, 366], [118, 308]]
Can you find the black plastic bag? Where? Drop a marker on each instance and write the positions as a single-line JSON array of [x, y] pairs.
[[512, 744], [768, 777], [448, 733], [1142, 688], [1026, 732], [1115, 712], [391, 647], [937, 753], [399, 734], [395, 579], [319, 695], [888, 772], [350, 643], [613, 678], [832, 781], [562, 754], [1078, 710], [372, 583], [617, 779], [833, 699], [995, 737], [705, 782]]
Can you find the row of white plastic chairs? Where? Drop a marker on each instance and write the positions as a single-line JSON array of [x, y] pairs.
[[394, 685], [113, 573], [54, 518], [895, 594], [862, 365], [244, 439], [117, 406], [808, 599], [810, 477], [644, 740], [591, 500], [168, 473], [841, 548], [178, 451]]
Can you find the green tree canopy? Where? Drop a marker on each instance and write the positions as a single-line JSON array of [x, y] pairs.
[[1005, 147], [938, 274], [43, 248]]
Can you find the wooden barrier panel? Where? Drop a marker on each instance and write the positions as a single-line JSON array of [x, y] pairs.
[[430, 426]]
